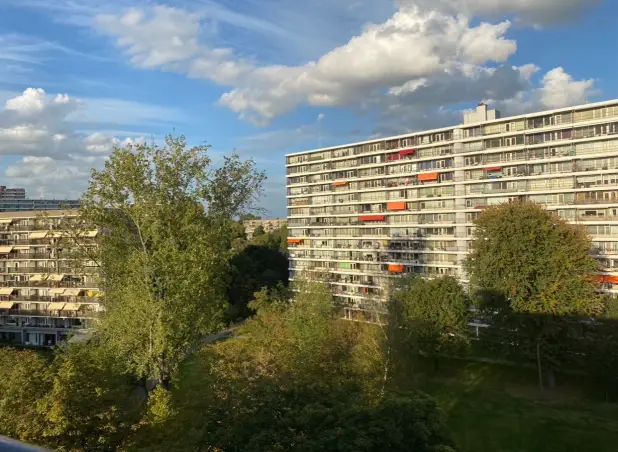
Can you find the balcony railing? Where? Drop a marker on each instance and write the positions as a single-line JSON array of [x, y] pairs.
[[45, 313], [44, 284]]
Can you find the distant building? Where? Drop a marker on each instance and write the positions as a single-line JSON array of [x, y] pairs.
[[12, 193], [45, 295], [268, 225], [28, 205]]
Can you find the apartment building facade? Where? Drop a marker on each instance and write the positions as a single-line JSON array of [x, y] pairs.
[[45, 293], [268, 225], [360, 215], [12, 193]]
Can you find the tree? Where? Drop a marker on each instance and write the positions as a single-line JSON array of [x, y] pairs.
[[166, 215], [534, 278], [259, 231], [24, 381], [297, 378], [248, 216], [91, 404], [432, 317]]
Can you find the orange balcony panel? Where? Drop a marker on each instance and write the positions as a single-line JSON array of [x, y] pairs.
[[339, 184], [395, 206], [295, 241], [393, 268], [493, 168], [371, 218], [609, 279], [428, 176]]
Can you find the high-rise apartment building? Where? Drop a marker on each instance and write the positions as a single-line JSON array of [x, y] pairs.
[[361, 214], [46, 292]]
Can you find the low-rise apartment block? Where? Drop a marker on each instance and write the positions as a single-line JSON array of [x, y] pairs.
[[362, 214], [268, 225], [45, 293]]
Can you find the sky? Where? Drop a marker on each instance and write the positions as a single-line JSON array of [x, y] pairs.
[[264, 78]]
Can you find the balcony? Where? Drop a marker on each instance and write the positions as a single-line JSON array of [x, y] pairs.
[[44, 313], [45, 284]]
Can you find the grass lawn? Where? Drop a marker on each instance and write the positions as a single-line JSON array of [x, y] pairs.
[[499, 409]]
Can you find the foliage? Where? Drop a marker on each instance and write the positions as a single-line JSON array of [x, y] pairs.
[[78, 401], [432, 317], [248, 216], [258, 264], [533, 279], [259, 231], [309, 419], [536, 260], [91, 404], [295, 378], [164, 257], [23, 383]]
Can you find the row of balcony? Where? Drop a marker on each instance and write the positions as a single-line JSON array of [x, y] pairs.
[[44, 313], [49, 298], [56, 284], [570, 175], [34, 269], [12, 323], [448, 136]]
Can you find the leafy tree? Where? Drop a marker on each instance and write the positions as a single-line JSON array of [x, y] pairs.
[[248, 216], [24, 381], [310, 419], [166, 215], [295, 378], [534, 278], [259, 231], [91, 404], [432, 317], [257, 265]]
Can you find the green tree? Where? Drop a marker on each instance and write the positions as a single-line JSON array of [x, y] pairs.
[[534, 278], [166, 215], [24, 381], [91, 404], [295, 378], [431, 317], [248, 216], [259, 231]]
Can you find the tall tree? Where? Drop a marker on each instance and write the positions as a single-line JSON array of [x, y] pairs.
[[533, 273], [166, 216], [431, 317]]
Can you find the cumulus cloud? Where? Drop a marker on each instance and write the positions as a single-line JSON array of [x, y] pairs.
[[53, 159], [435, 52], [558, 89], [413, 43]]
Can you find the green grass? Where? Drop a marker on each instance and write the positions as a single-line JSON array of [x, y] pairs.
[[492, 408]]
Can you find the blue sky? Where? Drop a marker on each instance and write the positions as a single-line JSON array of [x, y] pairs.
[[269, 77]]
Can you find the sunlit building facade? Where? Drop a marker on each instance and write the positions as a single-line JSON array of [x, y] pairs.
[[362, 214], [46, 294]]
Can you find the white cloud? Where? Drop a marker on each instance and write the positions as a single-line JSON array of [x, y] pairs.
[[558, 89], [420, 46], [53, 160]]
